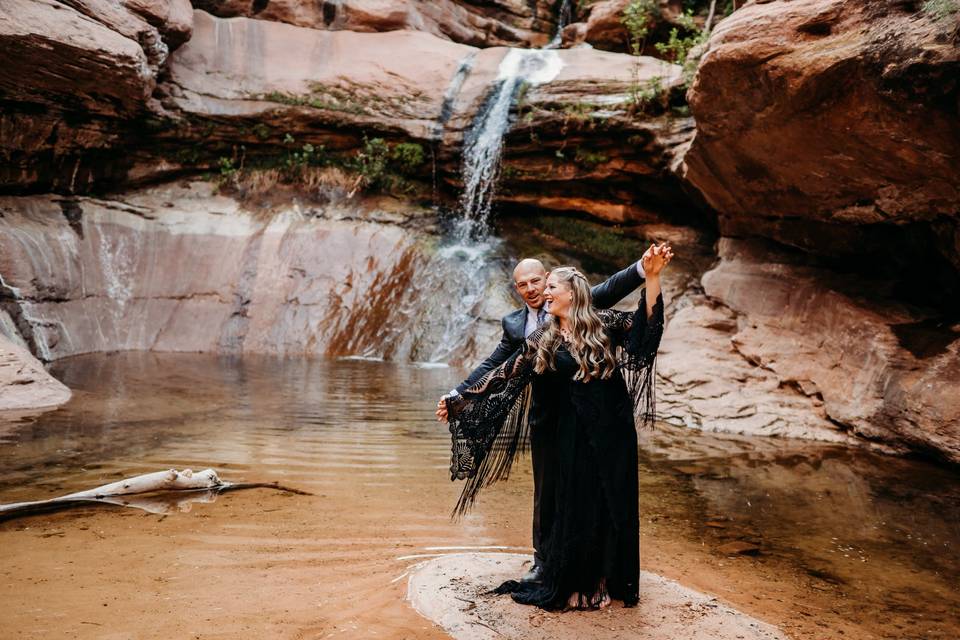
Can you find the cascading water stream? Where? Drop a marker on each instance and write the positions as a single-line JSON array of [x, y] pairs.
[[564, 17], [446, 110], [457, 276], [483, 143], [39, 340]]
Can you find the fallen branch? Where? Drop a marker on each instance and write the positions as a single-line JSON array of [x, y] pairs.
[[205, 481]]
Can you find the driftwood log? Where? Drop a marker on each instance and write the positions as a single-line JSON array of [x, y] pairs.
[[129, 492]]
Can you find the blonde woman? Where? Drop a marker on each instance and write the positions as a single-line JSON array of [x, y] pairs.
[[594, 370]]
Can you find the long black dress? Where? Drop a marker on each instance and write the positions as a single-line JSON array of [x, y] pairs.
[[591, 546]]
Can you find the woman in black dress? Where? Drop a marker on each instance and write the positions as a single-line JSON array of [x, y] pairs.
[[594, 369]]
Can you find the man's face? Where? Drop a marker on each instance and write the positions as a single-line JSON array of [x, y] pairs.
[[530, 283]]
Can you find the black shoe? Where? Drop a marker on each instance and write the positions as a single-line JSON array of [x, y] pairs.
[[534, 575]]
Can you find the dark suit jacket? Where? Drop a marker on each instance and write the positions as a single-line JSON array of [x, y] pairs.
[[605, 295]]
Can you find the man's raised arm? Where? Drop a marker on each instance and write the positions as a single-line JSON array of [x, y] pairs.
[[618, 286]]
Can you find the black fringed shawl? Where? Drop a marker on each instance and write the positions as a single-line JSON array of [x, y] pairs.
[[489, 421]]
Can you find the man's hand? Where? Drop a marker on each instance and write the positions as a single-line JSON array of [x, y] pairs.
[[663, 249], [442, 410]]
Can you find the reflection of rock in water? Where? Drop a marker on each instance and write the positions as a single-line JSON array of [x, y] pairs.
[[180, 269]]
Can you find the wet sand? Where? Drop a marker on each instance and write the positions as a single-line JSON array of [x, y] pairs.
[[360, 437]]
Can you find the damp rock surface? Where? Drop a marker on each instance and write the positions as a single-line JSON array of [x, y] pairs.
[[24, 383], [450, 591]]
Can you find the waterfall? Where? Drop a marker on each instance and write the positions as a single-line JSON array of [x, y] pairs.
[[456, 280], [564, 17], [483, 143]]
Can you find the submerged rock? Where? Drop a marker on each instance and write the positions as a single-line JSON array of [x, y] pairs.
[[451, 591], [24, 383]]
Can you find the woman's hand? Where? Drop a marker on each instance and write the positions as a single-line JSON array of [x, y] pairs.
[[656, 258]]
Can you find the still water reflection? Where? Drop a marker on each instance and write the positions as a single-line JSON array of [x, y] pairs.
[[876, 537]]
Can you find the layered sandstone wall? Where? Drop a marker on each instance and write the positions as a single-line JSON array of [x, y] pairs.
[[828, 141], [179, 268], [516, 23]]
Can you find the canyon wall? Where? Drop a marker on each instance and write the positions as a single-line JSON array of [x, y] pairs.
[[180, 268], [828, 142]]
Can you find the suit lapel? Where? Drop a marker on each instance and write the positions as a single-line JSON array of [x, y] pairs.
[[517, 323]]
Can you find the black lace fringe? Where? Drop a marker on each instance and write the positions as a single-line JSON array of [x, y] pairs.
[[512, 439]]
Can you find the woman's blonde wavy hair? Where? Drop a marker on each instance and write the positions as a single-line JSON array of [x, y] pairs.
[[590, 345]]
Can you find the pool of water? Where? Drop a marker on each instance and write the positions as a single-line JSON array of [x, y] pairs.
[[818, 539]]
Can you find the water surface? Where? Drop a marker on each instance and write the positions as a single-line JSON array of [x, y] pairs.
[[836, 540]]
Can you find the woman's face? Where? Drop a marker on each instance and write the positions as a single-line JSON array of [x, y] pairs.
[[559, 297]]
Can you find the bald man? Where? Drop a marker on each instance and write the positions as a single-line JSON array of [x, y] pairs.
[[530, 280]]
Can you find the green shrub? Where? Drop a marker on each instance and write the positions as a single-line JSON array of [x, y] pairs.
[[638, 16], [228, 172], [650, 93], [677, 48], [407, 157]]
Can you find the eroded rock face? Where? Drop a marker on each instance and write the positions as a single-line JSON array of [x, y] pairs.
[[832, 126], [864, 361], [487, 24], [707, 383], [73, 75], [177, 268], [315, 85], [578, 144], [251, 90]]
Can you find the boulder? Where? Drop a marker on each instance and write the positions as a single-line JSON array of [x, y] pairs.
[[24, 383], [602, 26], [876, 367], [832, 126]]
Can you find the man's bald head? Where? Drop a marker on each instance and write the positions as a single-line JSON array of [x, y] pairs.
[[530, 278], [528, 265]]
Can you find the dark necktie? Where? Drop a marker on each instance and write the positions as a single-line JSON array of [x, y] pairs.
[[541, 316]]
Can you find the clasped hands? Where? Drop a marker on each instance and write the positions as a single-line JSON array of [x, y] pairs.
[[655, 258]]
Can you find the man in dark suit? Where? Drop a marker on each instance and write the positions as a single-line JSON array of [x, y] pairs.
[[530, 280]]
